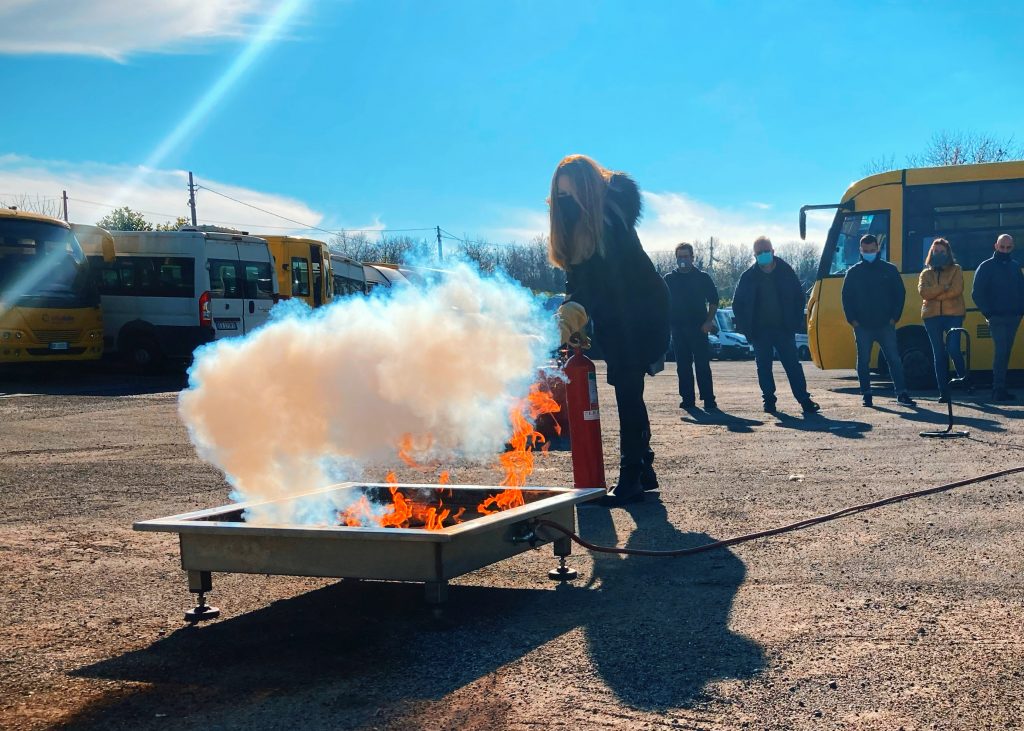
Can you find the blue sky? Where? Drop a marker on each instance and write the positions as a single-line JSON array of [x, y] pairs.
[[393, 114]]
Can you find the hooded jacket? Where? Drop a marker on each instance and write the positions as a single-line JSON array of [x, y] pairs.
[[626, 299], [873, 294], [791, 298], [942, 291]]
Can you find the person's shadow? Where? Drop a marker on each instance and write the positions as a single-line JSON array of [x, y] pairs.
[[658, 628], [818, 422], [357, 653], [720, 418]]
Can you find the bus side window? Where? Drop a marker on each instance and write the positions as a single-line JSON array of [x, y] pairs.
[[300, 277]]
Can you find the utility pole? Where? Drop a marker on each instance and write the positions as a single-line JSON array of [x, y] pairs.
[[711, 253], [192, 197], [64, 197], [440, 253]]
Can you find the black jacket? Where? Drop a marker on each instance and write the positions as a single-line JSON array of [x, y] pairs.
[[999, 288], [621, 291], [873, 294], [690, 294], [791, 298]]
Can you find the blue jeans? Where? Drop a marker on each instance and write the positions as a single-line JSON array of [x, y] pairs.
[[886, 338], [766, 344], [936, 328], [1004, 330]]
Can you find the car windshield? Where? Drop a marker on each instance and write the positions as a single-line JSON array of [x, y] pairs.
[[42, 265], [726, 322]]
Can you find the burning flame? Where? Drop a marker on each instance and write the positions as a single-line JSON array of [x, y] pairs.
[[518, 461]]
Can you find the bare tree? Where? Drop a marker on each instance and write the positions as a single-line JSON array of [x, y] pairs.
[[953, 148], [46, 206]]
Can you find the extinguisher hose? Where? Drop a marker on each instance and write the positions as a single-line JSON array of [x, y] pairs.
[[800, 525]]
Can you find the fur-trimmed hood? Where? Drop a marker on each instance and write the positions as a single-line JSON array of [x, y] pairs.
[[624, 194]]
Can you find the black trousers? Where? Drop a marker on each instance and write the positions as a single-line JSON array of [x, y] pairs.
[[634, 425], [693, 355]]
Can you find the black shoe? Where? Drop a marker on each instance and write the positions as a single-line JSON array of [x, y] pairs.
[[710, 405], [685, 404], [809, 407], [648, 479], [1003, 395], [769, 407], [868, 401], [905, 400]]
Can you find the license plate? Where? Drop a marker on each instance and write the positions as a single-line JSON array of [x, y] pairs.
[[59, 346], [227, 325]]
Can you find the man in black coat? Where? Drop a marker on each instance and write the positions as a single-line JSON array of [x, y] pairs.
[[873, 298], [999, 294], [694, 300], [769, 309]]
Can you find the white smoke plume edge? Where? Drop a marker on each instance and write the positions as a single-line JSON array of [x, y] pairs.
[[317, 396]]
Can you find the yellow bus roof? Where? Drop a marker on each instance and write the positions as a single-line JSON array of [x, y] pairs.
[[290, 239], [31, 216], [935, 175]]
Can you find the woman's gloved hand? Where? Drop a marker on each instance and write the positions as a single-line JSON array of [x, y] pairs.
[[572, 318]]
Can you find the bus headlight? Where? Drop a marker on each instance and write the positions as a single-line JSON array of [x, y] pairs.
[[6, 335], [17, 335]]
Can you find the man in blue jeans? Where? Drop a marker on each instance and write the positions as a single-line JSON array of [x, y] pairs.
[[873, 297], [999, 294], [769, 309]]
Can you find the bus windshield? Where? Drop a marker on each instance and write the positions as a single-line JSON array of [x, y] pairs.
[[43, 265], [726, 321]]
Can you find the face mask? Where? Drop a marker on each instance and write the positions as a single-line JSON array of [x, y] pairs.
[[764, 258], [684, 263], [939, 260], [1003, 255], [570, 211], [869, 257]]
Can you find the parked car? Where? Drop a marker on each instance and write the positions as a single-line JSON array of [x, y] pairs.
[[732, 345]]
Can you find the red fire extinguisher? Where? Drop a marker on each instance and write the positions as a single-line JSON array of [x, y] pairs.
[[584, 422]]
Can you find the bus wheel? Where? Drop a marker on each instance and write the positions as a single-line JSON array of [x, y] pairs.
[[144, 353], [916, 355]]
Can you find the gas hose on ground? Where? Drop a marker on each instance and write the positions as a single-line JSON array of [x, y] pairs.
[[807, 523]]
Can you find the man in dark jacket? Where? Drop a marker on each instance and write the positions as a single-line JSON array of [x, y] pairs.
[[873, 297], [999, 294], [769, 308], [694, 300]]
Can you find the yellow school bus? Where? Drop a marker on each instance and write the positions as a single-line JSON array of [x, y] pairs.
[[49, 305], [303, 269], [969, 205]]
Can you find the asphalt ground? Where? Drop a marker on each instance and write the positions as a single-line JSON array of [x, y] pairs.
[[905, 617]]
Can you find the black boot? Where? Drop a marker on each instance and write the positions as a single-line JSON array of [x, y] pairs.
[[627, 490], [648, 478]]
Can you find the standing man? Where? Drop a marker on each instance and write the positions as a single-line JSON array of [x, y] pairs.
[[769, 309], [694, 300], [873, 298], [999, 294]]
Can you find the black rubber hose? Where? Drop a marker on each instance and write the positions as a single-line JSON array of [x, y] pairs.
[[776, 531]]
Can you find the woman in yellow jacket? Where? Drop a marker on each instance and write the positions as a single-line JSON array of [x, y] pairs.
[[941, 287]]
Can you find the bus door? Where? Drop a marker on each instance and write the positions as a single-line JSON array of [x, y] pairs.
[[227, 282], [318, 275]]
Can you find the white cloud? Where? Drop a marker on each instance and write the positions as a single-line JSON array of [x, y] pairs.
[[94, 189], [117, 28], [673, 217]]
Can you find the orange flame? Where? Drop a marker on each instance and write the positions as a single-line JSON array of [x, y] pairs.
[[518, 461], [444, 478]]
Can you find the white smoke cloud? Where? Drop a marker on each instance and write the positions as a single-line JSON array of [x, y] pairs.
[[312, 393]]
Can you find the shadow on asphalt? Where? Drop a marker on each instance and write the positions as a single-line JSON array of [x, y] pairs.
[[656, 632], [941, 418], [721, 418], [88, 379]]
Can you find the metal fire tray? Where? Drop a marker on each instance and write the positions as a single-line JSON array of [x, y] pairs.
[[219, 539]]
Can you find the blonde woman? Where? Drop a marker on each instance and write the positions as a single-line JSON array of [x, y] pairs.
[[593, 238], [941, 286]]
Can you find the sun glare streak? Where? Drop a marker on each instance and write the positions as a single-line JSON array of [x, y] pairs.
[[267, 33]]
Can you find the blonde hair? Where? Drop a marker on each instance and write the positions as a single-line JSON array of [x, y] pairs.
[[569, 248]]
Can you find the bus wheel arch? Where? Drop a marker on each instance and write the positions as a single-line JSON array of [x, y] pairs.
[[916, 356], [138, 344]]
